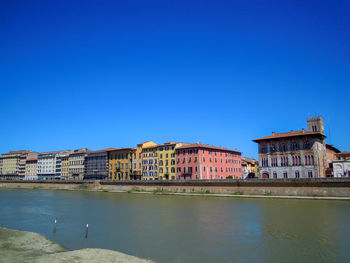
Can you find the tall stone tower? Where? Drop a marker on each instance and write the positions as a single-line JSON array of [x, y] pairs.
[[315, 124]]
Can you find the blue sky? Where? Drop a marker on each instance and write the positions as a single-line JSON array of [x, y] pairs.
[[102, 74]]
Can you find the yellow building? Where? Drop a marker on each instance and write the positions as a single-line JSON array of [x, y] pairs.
[[65, 167], [166, 160], [250, 168], [120, 164], [137, 159]]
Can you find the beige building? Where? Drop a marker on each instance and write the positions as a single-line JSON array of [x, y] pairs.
[[65, 167], [31, 169], [137, 160], [76, 164], [13, 164]]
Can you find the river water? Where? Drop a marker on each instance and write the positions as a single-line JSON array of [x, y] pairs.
[[185, 229]]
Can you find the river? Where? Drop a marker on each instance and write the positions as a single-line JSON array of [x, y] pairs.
[[185, 229]]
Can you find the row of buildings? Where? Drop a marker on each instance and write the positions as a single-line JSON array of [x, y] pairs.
[[295, 154], [301, 154], [148, 161]]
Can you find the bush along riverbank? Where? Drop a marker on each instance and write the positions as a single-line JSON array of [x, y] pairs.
[[21, 246]]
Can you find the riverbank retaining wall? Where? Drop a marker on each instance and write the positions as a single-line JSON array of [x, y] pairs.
[[314, 187]]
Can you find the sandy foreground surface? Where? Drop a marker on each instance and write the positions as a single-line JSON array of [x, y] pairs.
[[20, 246]]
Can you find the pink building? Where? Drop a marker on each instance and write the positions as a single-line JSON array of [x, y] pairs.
[[199, 161]]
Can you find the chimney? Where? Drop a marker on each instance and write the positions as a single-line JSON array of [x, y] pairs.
[[273, 133]]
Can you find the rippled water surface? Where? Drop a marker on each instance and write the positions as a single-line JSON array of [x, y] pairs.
[[185, 229]]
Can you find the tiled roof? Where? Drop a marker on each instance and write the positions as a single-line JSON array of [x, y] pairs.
[[289, 134], [331, 147], [207, 146], [343, 153], [123, 149], [151, 146], [14, 152], [107, 150]]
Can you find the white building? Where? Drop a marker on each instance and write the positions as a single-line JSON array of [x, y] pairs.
[[50, 164], [341, 166]]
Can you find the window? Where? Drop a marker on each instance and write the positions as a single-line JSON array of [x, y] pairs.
[[274, 162], [275, 175], [295, 147], [285, 175], [272, 148], [307, 146], [297, 175], [309, 174], [284, 161]]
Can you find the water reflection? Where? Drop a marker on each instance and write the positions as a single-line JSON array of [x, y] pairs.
[[185, 229]]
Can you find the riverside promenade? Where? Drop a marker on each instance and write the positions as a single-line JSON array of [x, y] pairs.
[[309, 188]]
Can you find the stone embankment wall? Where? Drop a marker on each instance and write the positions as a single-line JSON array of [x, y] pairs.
[[337, 187]]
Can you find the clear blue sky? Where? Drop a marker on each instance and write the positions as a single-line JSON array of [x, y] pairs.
[[115, 73]]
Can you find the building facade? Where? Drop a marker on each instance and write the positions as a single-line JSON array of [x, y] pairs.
[[249, 168], [150, 163], [120, 164], [96, 164], [76, 164], [295, 154], [205, 162], [137, 169], [166, 154], [13, 164], [341, 166], [50, 164], [331, 155], [65, 167], [31, 169]]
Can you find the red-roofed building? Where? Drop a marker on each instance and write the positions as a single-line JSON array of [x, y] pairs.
[[295, 154], [200, 161]]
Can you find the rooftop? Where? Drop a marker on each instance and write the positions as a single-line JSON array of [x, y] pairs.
[[331, 147], [207, 146], [15, 152], [303, 132]]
